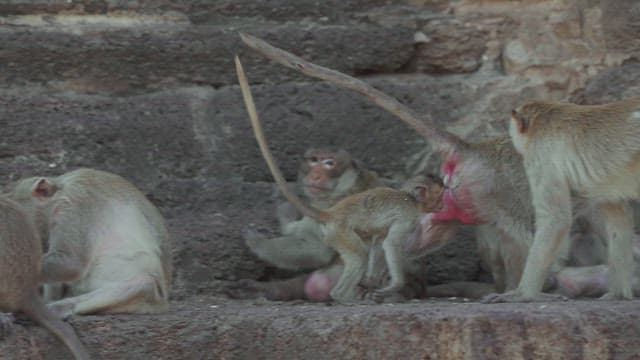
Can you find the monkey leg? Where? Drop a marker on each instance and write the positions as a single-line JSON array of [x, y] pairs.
[[354, 256], [582, 281], [618, 226], [137, 295], [291, 252], [61, 267], [553, 221], [392, 246], [490, 242]]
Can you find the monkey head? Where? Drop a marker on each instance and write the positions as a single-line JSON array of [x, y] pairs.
[[428, 190], [34, 194], [321, 171], [524, 120]]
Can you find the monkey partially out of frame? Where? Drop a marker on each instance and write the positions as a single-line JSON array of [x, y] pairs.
[[106, 243], [579, 154], [20, 255], [325, 176], [351, 225]]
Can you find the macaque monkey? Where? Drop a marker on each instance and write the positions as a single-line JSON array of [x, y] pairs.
[[578, 154], [106, 243], [20, 255], [352, 226], [325, 176], [587, 276], [486, 184]]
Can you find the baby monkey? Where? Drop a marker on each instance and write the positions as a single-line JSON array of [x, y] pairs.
[[20, 253], [354, 224]]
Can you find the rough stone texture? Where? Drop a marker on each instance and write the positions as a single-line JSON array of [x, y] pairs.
[[202, 328], [126, 55], [200, 132], [146, 89], [614, 84]]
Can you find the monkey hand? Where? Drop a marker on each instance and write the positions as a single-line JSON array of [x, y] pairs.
[[518, 296]]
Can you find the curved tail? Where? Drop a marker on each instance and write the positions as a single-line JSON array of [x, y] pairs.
[[438, 138], [315, 214], [35, 308]]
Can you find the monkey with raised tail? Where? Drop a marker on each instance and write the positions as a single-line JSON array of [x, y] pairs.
[[325, 176], [351, 225]]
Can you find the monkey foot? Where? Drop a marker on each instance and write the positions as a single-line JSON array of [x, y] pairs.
[[516, 296], [386, 297], [6, 324]]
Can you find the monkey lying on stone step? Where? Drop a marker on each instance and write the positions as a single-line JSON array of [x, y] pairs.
[[351, 225]]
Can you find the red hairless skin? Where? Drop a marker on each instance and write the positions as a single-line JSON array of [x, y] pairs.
[[451, 209]]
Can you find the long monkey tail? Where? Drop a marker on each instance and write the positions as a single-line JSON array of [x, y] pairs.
[[315, 214], [440, 139]]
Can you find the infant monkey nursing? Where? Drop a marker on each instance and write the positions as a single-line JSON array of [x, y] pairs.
[[354, 225]]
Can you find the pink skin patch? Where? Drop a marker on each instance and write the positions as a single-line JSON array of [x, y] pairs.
[[318, 287], [451, 209]]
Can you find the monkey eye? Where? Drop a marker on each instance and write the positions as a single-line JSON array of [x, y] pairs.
[[312, 160], [329, 163]]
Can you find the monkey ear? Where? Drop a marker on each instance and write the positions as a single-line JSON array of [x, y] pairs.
[[44, 189], [520, 121]]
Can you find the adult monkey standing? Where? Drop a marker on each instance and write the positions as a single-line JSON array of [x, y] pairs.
[[487, 184], [106, 243], [579, 153]]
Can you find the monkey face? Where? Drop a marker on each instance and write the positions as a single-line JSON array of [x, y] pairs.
[[321, 170]]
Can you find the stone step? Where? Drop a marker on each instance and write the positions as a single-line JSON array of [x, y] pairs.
[[100, 54], [210, 329]]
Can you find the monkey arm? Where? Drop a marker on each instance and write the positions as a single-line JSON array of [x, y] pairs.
[[59, 267], [66, 261], [287, 214], [292, 252]]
